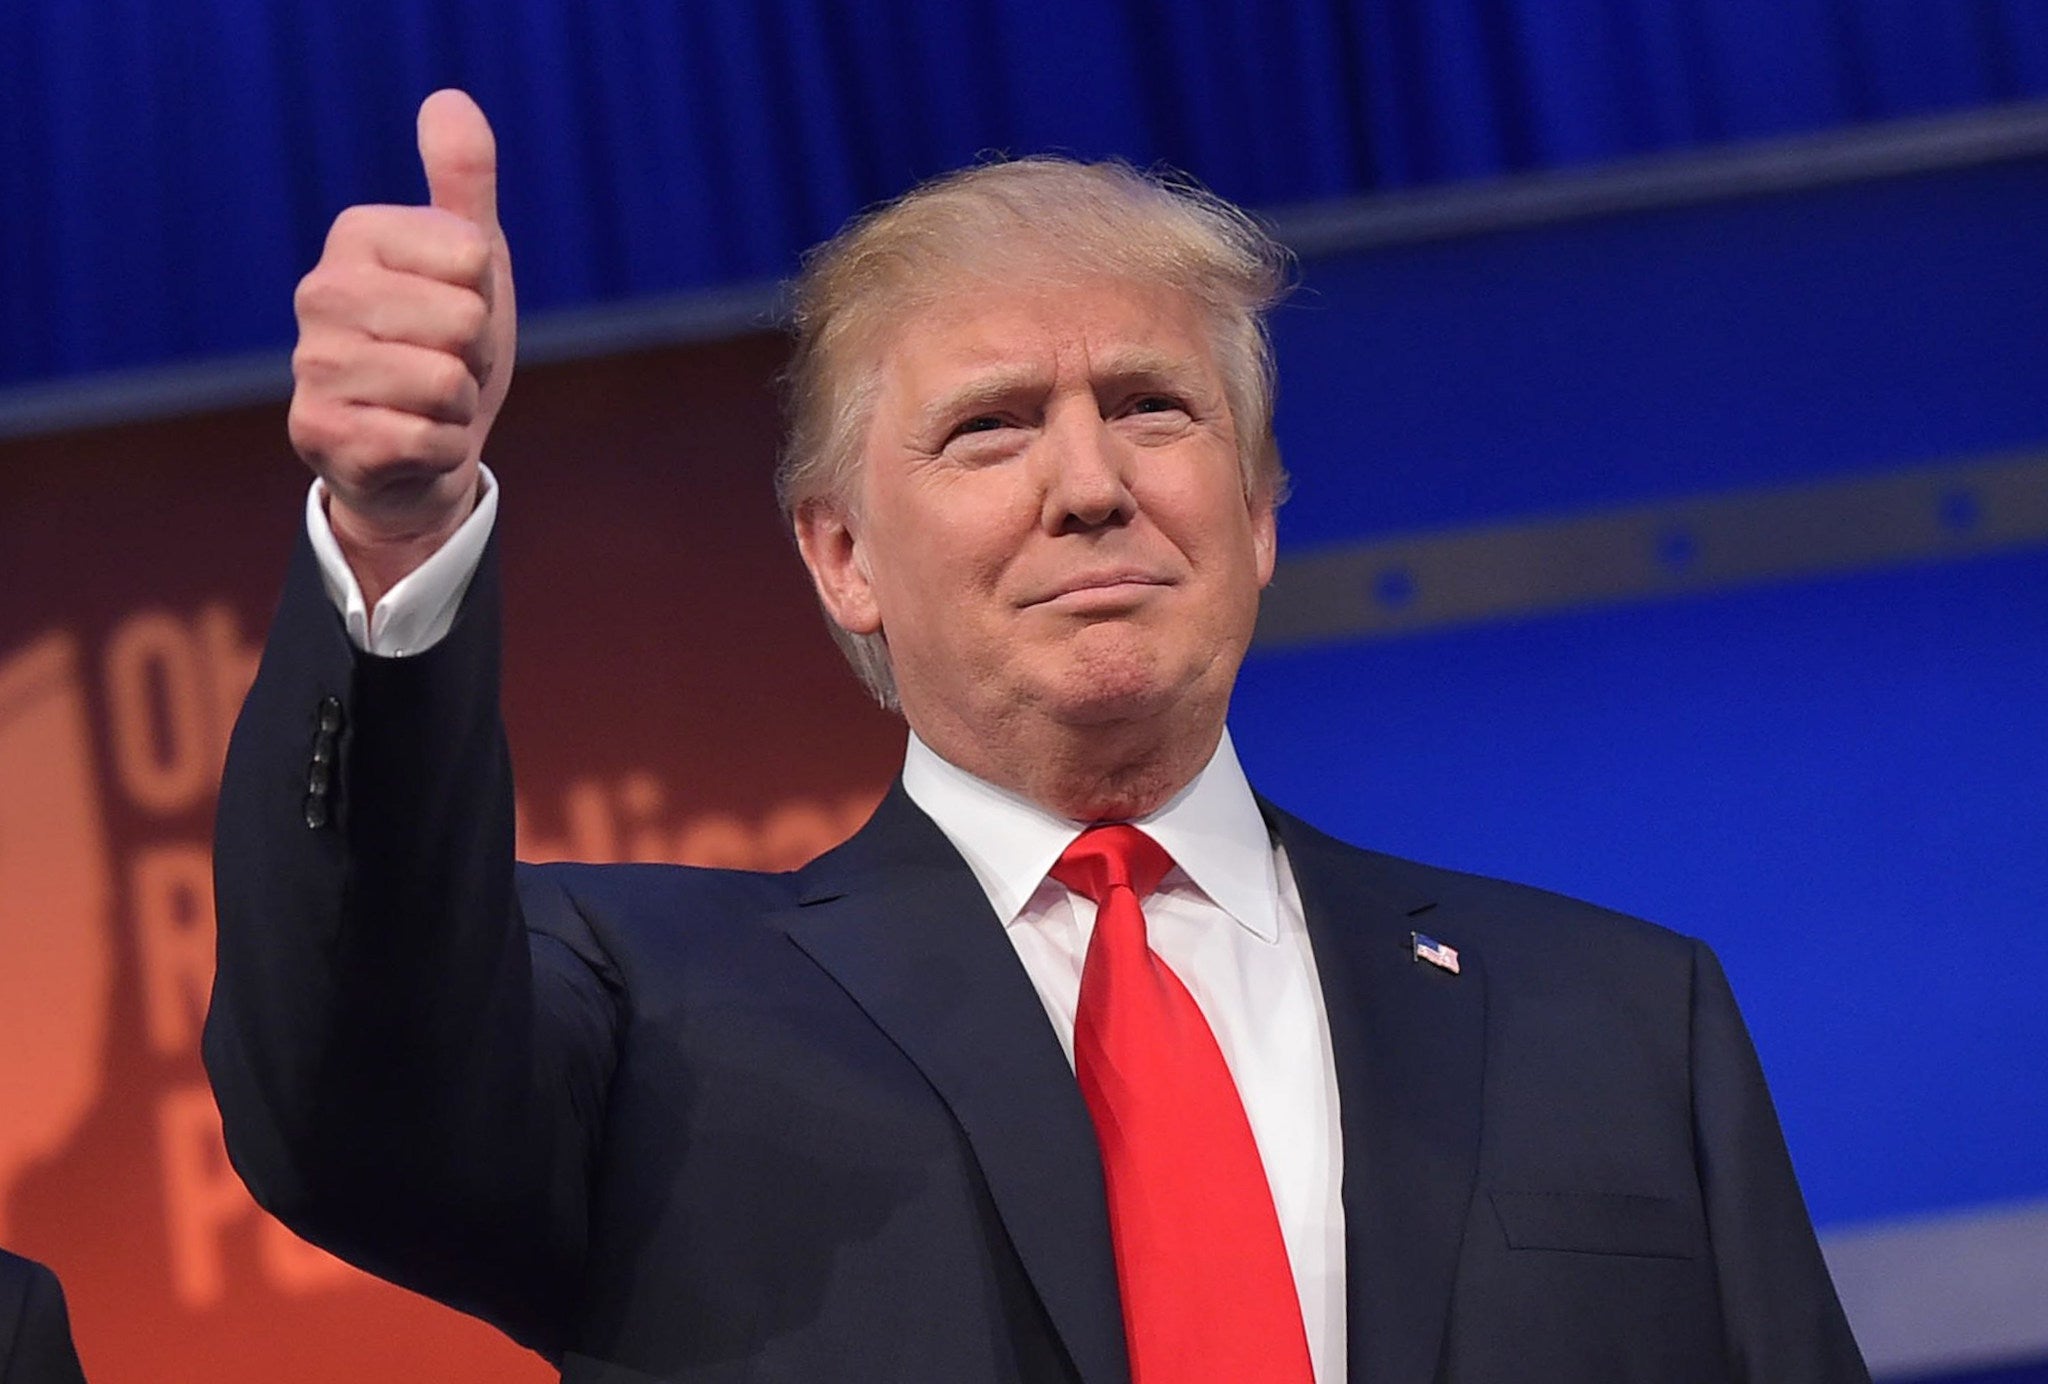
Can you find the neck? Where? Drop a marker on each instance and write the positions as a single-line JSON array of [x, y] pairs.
[[1092, 773]]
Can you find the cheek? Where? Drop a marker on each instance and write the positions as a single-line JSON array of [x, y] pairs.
[[932, 583], [1212, 526], [962, 539]]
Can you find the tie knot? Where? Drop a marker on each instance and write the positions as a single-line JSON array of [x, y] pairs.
[[1103, 857]]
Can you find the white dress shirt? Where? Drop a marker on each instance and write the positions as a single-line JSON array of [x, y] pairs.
[[1227, 919], [418, 612]]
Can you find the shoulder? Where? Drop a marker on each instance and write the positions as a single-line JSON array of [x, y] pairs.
[[1579, 1001], [620, 908], [628, 888], [1519, 930], [619, 916], [896, 840]]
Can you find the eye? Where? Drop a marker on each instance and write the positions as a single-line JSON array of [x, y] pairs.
[[982, 439], [1157, 403]]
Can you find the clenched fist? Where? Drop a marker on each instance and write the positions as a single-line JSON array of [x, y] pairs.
[[406, 336]]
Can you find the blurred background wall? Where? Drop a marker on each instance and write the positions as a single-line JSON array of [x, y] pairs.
[[1664, 393]]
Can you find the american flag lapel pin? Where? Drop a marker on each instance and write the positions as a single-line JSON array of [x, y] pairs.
[[1434, 952]]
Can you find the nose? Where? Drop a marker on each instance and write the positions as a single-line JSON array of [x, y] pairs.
[[1086, 484]]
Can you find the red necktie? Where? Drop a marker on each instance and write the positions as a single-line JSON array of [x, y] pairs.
[[1207, 1291]]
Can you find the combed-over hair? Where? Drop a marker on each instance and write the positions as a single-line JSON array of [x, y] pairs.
[[1030, 220]]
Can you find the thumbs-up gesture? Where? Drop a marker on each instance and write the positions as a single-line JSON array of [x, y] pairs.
[[406, 336]]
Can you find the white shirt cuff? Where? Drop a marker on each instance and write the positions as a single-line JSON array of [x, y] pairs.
[[416, 614]]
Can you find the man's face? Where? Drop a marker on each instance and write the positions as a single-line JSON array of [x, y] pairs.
[[1050, 519]]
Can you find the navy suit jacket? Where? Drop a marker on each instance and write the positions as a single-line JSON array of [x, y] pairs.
[[35, 1331], [676, 1124]]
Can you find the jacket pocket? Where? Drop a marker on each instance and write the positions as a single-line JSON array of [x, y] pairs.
[[1598, 1223]]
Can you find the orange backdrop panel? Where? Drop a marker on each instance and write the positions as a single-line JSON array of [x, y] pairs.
[[671, 695]]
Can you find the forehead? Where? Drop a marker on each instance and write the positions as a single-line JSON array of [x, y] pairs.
[[971, 325]]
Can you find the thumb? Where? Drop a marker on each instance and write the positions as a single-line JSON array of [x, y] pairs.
[[460, 157]]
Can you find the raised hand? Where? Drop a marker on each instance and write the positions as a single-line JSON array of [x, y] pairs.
[[406, 337]]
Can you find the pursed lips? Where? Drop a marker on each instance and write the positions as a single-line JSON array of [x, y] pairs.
[[1099, 581]]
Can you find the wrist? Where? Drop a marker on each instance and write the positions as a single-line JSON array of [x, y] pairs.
[[383, 548]]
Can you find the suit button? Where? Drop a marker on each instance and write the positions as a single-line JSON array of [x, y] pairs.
[[319, 804]]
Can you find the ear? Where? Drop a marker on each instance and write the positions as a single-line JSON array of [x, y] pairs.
[[830, 543], [1265, 533]]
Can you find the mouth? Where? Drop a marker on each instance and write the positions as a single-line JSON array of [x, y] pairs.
[[1095, 588]]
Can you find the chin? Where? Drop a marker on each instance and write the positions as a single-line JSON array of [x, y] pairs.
[[1106, 690], [1109, 708]]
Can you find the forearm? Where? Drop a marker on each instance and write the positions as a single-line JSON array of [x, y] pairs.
[[372, 1038]]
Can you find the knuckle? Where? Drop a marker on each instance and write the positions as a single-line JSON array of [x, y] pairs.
[[413, 435], [370, 450], [312, 428], [314, 361], [376, 319], [470, 318], [392, 313], [319, 295], [352, 226], [469, 251], [442, 384], [425, 440]]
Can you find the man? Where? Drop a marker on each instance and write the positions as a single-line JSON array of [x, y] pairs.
[[35, 1330], [1078, 1061]]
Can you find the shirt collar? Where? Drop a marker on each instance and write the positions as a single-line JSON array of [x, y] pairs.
[[1211, 828]]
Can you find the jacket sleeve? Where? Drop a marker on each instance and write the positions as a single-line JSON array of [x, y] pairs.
[[409, 1057], [1783, 1321], [35, 1330]]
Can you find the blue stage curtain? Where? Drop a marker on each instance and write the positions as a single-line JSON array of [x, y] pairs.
[[168, 167]]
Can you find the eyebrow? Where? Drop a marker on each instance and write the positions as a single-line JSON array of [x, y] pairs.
[[981, 392], [1140, 364], [1119, 369]]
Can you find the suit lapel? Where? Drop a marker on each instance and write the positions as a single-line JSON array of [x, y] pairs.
[[898, 920], [1409, 1043]]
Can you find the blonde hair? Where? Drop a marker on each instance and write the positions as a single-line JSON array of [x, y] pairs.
[[1026, 219]]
